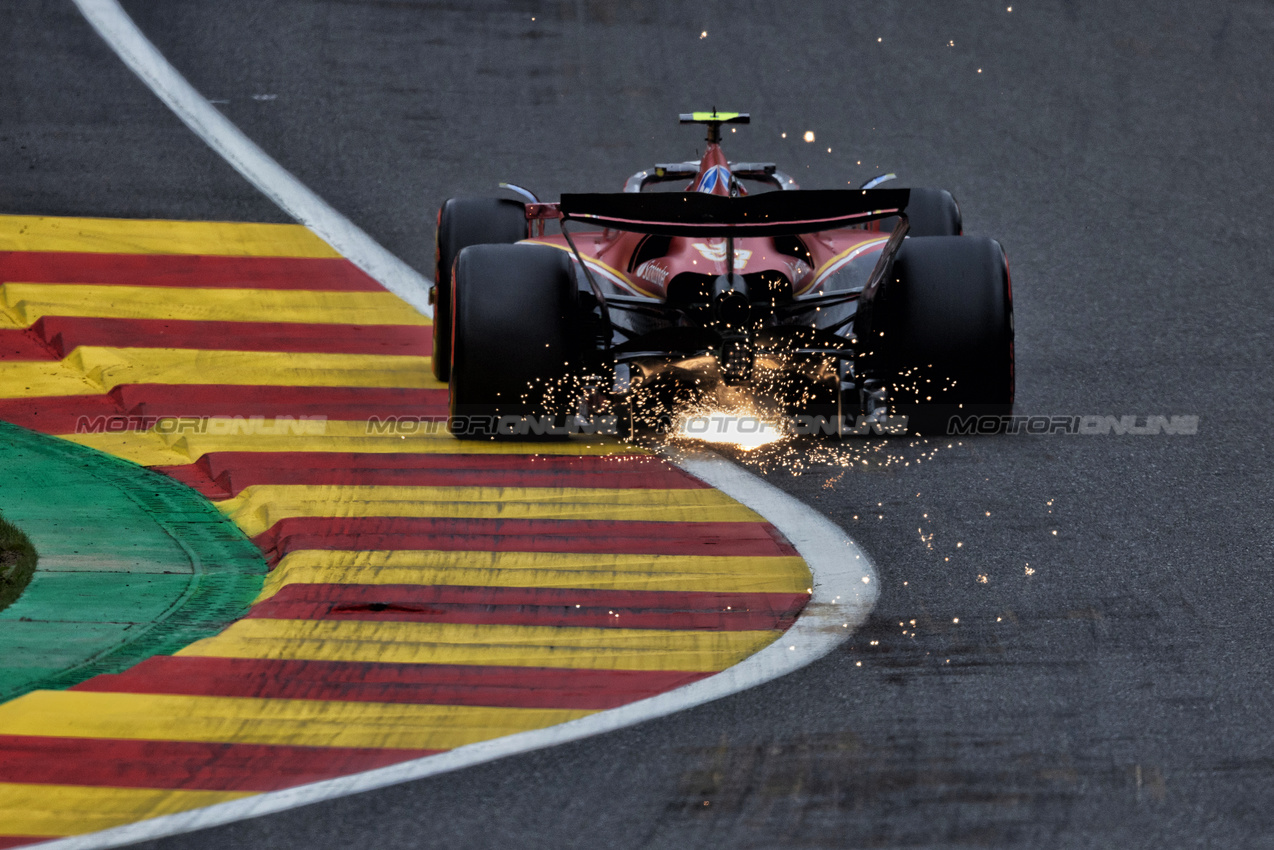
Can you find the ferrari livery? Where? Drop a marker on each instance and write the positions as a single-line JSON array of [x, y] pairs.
[[840, 312]]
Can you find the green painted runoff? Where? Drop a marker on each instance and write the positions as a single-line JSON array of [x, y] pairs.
[[131, 564]]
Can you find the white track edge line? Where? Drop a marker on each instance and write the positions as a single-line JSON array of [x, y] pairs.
[[844, 592], [142, 57]]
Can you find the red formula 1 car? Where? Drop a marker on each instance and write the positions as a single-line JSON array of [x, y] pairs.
[[843, 311]]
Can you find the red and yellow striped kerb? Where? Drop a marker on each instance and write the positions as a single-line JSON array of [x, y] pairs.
[[424, 593]]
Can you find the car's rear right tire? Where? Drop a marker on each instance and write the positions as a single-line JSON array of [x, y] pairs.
[[930, 212], [941, 335], [514, 344], [463, 222]]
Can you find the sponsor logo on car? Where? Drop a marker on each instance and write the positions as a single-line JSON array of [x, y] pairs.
[[715, 252], [653, 271]]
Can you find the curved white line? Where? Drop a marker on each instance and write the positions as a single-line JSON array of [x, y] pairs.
[[144, 59], [843, 595]]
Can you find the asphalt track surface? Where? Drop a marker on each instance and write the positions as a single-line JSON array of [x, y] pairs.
[[1120, 694]]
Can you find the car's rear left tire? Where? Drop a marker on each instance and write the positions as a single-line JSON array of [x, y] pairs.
[[514, 345], [941, 335], [463, 222]]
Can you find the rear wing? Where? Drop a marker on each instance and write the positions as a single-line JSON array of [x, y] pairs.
[[701, 214]]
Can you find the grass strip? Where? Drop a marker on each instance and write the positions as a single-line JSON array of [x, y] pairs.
[[17, 562]]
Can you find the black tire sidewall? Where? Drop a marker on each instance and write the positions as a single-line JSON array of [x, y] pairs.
[[946, 315], [463, 222], [512, 334]]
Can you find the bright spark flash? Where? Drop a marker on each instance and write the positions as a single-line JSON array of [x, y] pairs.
[[744, 431]]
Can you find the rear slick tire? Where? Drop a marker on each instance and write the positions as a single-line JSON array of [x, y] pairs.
[[463, 222], [943, 331], [930, 212], [513, 347], [933, 212]]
